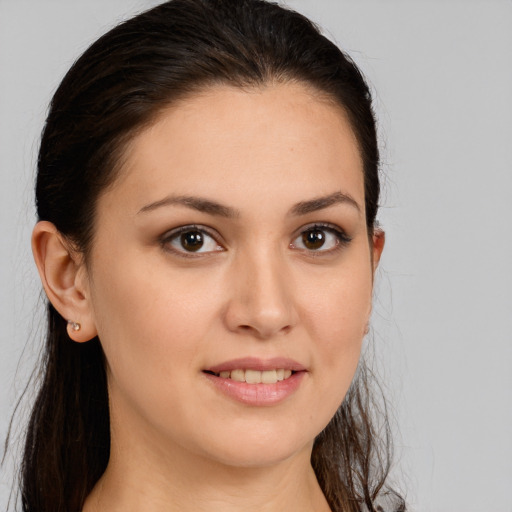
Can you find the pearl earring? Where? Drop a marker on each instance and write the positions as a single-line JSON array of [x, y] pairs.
[[75, 326]]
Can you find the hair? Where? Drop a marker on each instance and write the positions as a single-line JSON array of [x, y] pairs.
[[113, 91]]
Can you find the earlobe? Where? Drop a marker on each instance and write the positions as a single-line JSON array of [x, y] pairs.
[[62, 274]]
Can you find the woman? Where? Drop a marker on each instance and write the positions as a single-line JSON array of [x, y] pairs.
[[207, 194]]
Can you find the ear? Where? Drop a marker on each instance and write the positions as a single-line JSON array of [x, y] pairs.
[[378, 239], [64, 279], [377, 246]]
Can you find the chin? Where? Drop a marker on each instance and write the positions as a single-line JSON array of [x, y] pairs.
[[262, 448], [257, 458]]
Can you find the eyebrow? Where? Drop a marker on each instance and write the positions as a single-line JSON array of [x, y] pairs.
[[196, 203], [320, 203], [214, 208]]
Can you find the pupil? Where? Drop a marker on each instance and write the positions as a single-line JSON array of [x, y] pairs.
[[313, 239], [192, 240]]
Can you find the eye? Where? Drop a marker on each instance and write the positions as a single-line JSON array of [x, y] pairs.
[[320, 239], [191, 239]]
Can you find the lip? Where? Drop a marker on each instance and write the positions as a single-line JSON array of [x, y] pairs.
[[254, 363], [257, 395]]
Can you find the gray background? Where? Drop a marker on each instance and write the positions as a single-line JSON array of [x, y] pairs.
[[442, 72]]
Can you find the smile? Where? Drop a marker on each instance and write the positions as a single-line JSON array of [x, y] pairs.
[[255, 376], [257, 382]]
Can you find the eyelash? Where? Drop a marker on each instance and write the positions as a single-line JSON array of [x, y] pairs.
[[342, 239], [175, 233]]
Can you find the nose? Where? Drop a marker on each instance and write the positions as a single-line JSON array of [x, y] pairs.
[[261, 302]]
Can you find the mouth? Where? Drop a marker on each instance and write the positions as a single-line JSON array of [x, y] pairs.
[[257, 382], [254, 376]]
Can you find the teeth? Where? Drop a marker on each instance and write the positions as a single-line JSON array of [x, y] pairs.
[[238, 375], [252, 376], [257, 377], [269, 377]]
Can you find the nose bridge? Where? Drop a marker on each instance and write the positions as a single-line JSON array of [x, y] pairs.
[[262, 299]]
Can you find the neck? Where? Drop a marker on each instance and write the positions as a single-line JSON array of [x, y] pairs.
[[133, 484], [147, 473]]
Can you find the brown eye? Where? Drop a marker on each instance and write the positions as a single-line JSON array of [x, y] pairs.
[[189, 240], [320, 239], [313, 239], [192, 240]]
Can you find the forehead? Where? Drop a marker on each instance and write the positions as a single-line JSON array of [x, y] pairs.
[[225, 140]]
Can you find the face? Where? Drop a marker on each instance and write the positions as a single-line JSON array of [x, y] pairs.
[[230, 277]]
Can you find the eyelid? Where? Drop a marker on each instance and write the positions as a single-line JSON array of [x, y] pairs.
[[341, 235], [339, 232], [165, 239]]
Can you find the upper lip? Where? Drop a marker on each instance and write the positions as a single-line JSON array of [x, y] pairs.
[[254, 363]]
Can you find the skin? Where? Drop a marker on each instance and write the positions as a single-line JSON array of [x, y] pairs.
[[164, 315]]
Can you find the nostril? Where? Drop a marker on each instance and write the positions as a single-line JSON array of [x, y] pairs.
[[262, 319], [263, 331]]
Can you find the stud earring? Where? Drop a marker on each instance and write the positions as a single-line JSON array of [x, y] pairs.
[[75, 326]]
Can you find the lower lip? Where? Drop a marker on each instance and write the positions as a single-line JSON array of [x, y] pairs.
[[257, 394]]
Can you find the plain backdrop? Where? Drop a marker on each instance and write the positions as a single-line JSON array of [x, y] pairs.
[[441, 72]]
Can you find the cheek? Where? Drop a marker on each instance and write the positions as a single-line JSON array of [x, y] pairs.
[[153, 328], [336, 319], [338, 308], [150, 324]]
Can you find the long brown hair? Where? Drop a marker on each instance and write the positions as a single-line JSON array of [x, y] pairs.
[[116, 88]]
